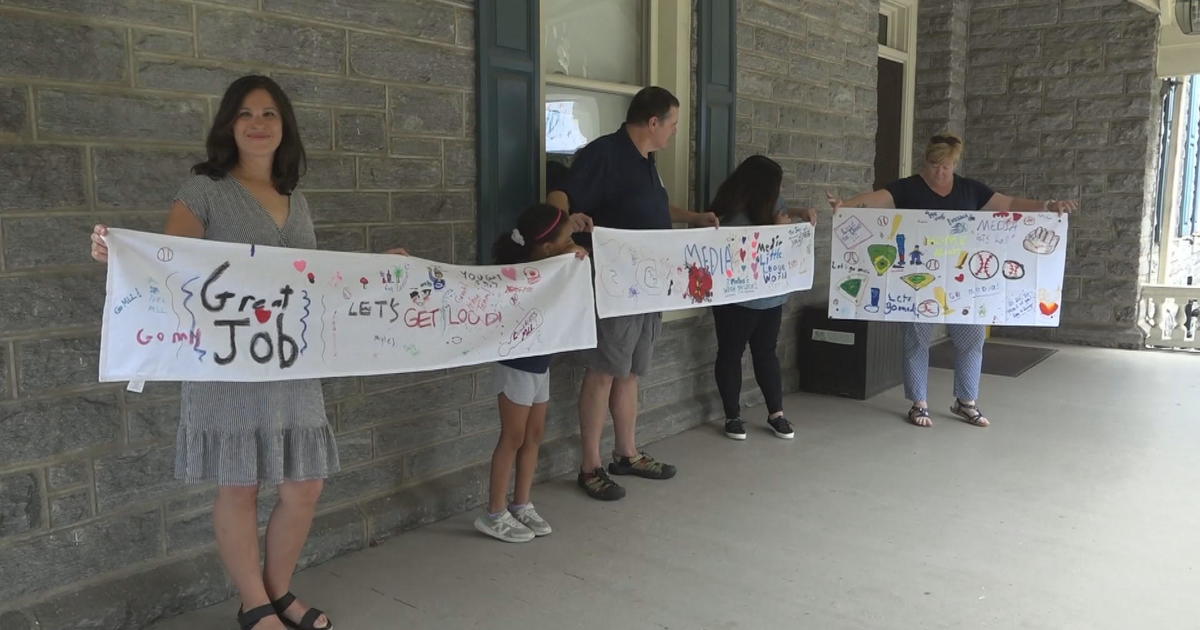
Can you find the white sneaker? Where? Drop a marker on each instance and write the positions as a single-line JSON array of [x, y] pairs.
[[531, 519], [504, 527]]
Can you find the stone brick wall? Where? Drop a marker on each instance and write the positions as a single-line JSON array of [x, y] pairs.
[[103, 125], [1060, 103], [103, 108], [806, 98], [941, 71]]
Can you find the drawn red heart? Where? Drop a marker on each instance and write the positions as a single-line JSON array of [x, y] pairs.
[[729, 273], [262, 315], [959, 277], [743, 253], [1048, 309], [300, 265], [1016, 216], [509, 272], [311, 277]]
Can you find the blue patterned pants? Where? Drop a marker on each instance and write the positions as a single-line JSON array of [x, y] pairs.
[[968, 359]]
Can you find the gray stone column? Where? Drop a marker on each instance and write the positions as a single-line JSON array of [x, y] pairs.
[[942, 31]]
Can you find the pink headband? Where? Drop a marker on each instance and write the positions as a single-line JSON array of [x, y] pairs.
[[557, 220]]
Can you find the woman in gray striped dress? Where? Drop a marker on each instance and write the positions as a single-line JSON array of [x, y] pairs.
[[241, 435]]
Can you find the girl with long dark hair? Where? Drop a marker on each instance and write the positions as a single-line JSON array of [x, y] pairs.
[[750, 196]]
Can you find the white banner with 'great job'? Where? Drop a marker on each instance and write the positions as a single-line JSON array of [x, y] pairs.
[[954, 267], [649, 271], [197, 310]]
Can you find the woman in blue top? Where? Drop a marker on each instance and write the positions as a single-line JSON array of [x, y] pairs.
[[937, 187], [522, 387], [750, 196]]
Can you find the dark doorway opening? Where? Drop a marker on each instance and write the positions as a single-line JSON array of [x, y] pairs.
[[887, 136]]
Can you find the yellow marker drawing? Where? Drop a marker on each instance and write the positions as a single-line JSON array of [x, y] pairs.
[[962, 259], [895, 226], [940, 294]]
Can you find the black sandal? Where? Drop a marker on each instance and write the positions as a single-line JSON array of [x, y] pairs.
[[250, 618], [969, 413], [917, 413], [307, 622]]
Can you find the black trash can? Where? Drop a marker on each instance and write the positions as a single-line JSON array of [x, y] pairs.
[[845, 357]]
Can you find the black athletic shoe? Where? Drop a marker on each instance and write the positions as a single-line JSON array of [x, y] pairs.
[[735, 429], [781, 427]]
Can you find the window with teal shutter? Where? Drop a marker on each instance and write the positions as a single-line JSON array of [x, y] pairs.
[[509, 104], [716, 96]]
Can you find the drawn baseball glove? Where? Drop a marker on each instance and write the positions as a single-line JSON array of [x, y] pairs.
[[1041, 241]]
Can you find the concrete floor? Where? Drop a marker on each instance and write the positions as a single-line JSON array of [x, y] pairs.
[[1077, 509]]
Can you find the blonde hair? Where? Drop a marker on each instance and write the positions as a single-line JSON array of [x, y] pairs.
[[942, 147]]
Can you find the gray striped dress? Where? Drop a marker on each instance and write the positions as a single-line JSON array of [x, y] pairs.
[[250, 433]]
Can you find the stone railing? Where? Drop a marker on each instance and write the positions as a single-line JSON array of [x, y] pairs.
[[1169, 315]]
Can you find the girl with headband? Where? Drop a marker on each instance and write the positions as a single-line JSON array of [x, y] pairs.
[[522, 388]]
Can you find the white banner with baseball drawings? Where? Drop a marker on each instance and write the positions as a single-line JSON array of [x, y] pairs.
[[196, 310], [956, 267], [649, 271]]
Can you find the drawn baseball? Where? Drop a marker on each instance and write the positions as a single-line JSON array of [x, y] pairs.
[[1041, 241], [929, 308], [984, 265]]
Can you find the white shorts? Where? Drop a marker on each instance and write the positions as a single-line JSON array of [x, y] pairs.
[[519, 386]]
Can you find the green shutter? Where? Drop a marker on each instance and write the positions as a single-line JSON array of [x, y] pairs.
[[716, 96], [509, 105]]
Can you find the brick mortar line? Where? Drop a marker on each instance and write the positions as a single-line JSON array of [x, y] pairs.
[[348, 26], [124, 571], [117, 88], [195, 31], [32, 107], [10, 361], [70, 212], [63, 392], [804, 132], [818, 86], [42, 333], [803, 109], [84, 20], [129, 61], [837, 26]]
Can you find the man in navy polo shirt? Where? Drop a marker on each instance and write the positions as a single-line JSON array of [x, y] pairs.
[[614, 181]]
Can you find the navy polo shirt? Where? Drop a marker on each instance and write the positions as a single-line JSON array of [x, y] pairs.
[[611, 182], [914, 194]]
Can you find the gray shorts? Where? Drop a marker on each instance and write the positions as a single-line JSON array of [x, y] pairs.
[[519, 386], [624, 345]]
